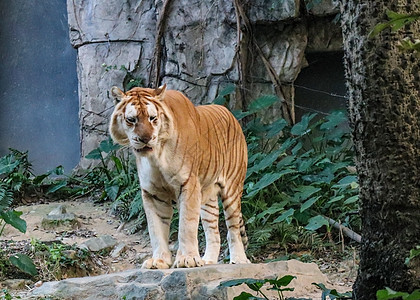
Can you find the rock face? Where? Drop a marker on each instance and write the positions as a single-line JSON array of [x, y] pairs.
[[196, 283], [116, 42]]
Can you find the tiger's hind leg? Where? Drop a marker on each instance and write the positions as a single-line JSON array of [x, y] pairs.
[[236, 231], [210, 221]]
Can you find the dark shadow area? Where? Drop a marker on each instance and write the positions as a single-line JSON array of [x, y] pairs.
[[38, 84], [320, 87]]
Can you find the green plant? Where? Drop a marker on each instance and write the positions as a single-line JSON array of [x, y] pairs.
[[414, 253], [278, 284], [56, 258], [116, 177], [332, 294], [388, 293], [297, 174]]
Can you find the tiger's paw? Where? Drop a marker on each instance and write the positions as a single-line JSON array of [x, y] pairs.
[[185, 261], [155, 263], [209, 262], [240, 261]]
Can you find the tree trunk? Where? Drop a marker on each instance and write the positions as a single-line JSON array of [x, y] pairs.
[[384, 106]]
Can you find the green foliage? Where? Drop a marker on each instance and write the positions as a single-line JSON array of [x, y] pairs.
[[278, 284], [58, 257], [116, 177], [298, 174], [413, 254], [388, 293], [332, 294], [396, 22], [24, 263]]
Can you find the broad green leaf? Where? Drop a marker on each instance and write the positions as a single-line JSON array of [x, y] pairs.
[[388, 293], [304, 192], [238, 114], [56, 186], [348, 180], [94, 154], [285, 216], [262, 102], [108, 146], [24, 263], [12, 217], [309, 203], [335, 199], [246, 296], [276, 127], [316, 223], [112, 191], [236, 282], [285, 162], [266, 180], [275, 208], [413, 296], [265, 162], [413, 253], [6, 166], [283, 281], [301, 128], [333, 120], [220, 99], [351, 200]]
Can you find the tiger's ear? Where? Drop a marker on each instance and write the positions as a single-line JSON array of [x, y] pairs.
[[160, 92], [116, 129], [117, 94]]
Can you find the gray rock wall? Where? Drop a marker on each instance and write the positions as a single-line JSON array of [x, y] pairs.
[[200, 45]]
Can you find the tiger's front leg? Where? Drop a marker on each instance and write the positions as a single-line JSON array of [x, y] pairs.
[[189, 215], [158, 214]]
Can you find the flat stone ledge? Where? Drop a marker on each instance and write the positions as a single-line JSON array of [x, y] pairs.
[[195, 283]]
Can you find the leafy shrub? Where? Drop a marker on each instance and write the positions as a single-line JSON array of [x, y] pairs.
[[116, 177], [296, 175]]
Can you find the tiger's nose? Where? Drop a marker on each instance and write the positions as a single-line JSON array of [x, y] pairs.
[[143, 139]]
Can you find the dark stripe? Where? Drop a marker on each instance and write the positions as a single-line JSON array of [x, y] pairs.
[[153, 196], [209, 212], [208, 221], [212, 206], [233, 215]]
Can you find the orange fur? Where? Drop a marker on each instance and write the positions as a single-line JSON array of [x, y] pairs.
[[188, 155]]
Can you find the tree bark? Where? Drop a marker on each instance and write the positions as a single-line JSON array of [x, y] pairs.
[[384, 106]]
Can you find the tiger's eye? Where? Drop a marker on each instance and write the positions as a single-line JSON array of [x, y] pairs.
[[131, 120], [152, 118]]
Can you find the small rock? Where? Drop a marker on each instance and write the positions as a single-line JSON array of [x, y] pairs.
[[118, 249], [15, 284], [59, 217], [38, 283], [104, 242]]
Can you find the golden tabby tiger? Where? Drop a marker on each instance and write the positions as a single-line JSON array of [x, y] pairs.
[[188, 155]]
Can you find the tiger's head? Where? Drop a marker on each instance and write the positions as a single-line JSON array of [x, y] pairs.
[[138, 118]]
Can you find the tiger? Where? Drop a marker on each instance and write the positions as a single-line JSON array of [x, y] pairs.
[[189, 156]]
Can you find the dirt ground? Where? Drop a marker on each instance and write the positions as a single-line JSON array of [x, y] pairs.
[[96, 220]]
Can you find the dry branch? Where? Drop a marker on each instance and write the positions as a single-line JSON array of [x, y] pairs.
[[154, 73], [350, 233]]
